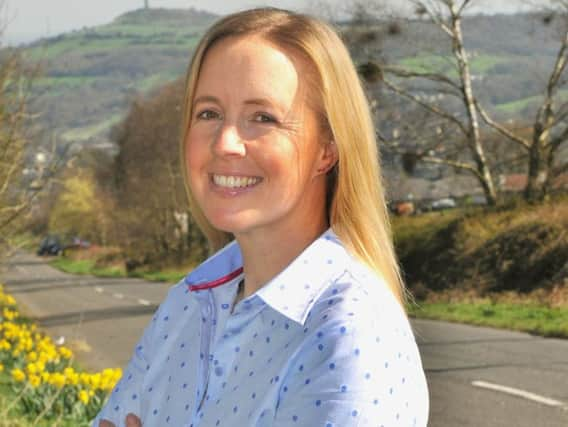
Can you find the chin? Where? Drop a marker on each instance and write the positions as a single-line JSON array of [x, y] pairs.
[[231, 223]]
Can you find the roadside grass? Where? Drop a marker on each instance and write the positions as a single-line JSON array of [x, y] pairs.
[[501, 267], [535, 319], [86, 266], [89, 266]]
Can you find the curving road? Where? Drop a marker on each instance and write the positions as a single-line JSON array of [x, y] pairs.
[[478, 377]]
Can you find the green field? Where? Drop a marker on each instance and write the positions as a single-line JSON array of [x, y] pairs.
[[86, 132], [521, 104], [446, 64]]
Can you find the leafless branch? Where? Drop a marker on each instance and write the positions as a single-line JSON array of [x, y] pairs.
[[435, 77], [500, 128], [432, 108]]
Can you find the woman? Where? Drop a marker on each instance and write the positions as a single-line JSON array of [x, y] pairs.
[[299, 320]]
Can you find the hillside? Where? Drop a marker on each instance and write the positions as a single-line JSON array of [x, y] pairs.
[[92, 75]]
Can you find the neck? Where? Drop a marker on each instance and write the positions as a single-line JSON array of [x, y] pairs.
[[265, 254]]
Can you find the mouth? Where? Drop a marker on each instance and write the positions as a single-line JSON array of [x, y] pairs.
[[235, 182]]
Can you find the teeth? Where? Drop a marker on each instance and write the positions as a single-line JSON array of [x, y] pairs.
[[234, 181]]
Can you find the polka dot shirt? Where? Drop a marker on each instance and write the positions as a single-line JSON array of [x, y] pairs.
[[323, 344]]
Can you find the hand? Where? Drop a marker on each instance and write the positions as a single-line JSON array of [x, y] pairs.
[[131, 421]]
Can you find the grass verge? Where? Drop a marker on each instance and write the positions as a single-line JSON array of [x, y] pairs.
[[535, 319], [88, 266], [85, 266]]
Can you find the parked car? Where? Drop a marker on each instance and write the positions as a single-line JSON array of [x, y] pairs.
[[54, 245], [440, 204], [51, 245]]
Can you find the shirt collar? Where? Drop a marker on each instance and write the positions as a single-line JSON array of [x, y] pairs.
[[295, 289]]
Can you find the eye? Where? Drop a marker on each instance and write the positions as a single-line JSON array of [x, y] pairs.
[[207, 115], [263, 118]]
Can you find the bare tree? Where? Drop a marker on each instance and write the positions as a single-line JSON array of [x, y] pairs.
[[549, 128], [461, 126], [550, 125], [23, 173]]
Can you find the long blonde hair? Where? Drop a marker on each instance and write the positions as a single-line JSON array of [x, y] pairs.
[[356, 205]]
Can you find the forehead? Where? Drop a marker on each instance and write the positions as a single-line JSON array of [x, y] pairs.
[[251, 66]]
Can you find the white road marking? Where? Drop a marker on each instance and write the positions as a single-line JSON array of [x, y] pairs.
[[118, 296], [520, 393], [99, 289], [143, 302]]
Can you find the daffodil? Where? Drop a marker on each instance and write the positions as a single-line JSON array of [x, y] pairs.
[[18, 375], [35, 380], [84, 396]]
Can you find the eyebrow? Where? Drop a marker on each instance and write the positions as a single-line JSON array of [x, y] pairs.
[[263, 102]]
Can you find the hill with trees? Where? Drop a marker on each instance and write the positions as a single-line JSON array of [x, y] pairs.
[[93, 74]]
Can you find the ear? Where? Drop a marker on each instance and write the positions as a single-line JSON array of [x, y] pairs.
[[328, 158]]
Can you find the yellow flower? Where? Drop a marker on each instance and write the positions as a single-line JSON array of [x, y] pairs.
[[71, 376], [57, 379], [95, 380], [84, 397], [1, 368], [32, 369], [35, 380], [65, 352], [18, 375]]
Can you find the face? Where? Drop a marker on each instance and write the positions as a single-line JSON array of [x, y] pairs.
[[256, 156]]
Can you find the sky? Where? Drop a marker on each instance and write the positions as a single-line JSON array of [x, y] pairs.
[[27, 20]]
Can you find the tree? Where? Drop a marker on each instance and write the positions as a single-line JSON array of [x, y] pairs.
[[24, 173], [154, 225], [461, 126], [80, 208], [550, 126], [15, 194]]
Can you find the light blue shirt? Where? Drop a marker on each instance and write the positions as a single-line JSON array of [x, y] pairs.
[[323, 344]]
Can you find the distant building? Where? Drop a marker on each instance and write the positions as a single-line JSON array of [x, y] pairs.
[[517, 182]]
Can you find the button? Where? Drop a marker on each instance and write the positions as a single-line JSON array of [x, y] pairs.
[[218, 371]]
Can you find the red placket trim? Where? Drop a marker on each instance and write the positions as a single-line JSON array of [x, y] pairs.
[[217, 282]]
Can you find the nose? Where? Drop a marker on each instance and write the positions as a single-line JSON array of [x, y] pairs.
[[228, 142]]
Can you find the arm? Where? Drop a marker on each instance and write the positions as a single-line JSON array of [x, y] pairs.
[[124, 398]]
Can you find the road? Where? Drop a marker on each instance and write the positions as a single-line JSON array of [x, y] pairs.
[[477, 376]]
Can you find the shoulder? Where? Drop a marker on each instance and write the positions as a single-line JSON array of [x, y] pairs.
[[359, 304]]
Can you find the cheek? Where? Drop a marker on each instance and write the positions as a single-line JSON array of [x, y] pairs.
[[281, 158]]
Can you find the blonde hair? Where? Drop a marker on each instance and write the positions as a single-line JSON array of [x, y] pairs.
[[357, 211]]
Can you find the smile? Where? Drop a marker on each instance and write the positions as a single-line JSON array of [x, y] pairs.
[[229, 181]]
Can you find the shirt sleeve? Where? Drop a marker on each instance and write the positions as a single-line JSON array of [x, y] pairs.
[[356, 370], [125, 398]]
